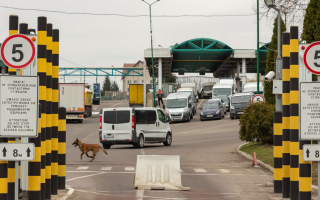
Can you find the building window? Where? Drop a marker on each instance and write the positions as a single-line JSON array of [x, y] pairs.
[[135, 81], [128, 89], [142, 81], [151, 81], [129, 81]]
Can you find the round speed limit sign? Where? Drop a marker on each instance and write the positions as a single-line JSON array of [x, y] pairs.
[[17, 51], [311, 58], [258, 98]]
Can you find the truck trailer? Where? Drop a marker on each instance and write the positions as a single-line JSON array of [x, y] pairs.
[[72, 97], [136, 95]]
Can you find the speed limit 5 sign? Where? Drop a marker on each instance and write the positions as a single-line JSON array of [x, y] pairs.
[[311, 58], [17, 51]]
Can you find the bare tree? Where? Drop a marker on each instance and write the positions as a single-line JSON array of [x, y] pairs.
[[293, 9]]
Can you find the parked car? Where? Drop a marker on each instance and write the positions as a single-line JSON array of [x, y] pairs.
[[179, 106], [212, 110], [238, 102], [225, 99], [222, 102], [135, 126]]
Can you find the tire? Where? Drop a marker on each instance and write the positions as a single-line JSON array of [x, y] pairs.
[[106, 146], [80, 121], [201, 119], [191, 117], [223, 116], [140, 143], [188, 119], [168, 140], [86, 113], [220, 116], [231, 118]]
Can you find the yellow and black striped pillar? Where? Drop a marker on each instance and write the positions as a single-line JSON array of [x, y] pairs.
[[294, 113], [13, 29], [3, 176], [55, 110], [286, 115], [304, 174], [49, 111], [62, 149], [34, 167], [42, 73], [277, 151]]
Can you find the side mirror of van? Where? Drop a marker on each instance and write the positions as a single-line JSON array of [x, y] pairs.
[[168, 119]]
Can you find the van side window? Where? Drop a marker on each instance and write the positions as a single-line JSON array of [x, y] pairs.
[[110, 117], [161, 116], [141, 117], [123, 116], [152, 116]]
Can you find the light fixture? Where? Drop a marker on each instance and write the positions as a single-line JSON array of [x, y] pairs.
[[269, 3]]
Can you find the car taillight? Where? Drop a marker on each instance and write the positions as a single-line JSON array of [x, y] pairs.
[[133, 122], [100, 122]]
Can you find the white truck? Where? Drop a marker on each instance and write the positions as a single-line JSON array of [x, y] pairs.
[[225, 80], [71, 96], [193, 86], [206, 91], [222, 89]]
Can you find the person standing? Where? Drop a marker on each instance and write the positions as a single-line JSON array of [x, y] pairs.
[[160, 95]]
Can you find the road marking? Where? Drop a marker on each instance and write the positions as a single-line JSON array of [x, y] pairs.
[[205, 128], [95, 113], [200, 170], [181, 170], [200, 103], [224, 171], [85, 176], [106, 168], [129, 168], [207, 140], [82, 168], [139, 194], [115, 104]]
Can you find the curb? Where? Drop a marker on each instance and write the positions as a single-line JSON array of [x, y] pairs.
[[69, 193], [249, 157]]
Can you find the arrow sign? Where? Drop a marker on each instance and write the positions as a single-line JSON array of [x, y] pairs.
[[28, 152], [4, 152], [307, 153]]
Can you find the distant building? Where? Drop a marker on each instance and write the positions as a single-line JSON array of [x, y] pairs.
[[127, 80]]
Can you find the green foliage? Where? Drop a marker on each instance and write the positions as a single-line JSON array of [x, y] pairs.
[[271, 59], [106, 85], [112, 87], [311, 23], [171, 79], [256, 123]]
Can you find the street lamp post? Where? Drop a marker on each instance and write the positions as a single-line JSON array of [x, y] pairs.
[[154, 88], [271, 4]]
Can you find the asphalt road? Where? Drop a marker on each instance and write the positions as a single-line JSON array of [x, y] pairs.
[[207, 155]]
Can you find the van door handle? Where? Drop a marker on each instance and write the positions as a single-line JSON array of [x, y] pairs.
[[112, 127]]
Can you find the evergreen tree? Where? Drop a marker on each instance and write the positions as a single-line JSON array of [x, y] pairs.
[[271, 59], [106, 85], [112, 87], [311, 25], [171, 79]]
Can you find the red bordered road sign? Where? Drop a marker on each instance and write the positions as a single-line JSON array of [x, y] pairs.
[[17, 51], [258, 98], [311, 57]]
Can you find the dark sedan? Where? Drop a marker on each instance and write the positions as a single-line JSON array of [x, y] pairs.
[[212, 110]]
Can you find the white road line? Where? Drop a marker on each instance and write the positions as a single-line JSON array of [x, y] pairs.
[[206, 128], [106, 168], [139, 194], [200, 103], [85, 176], [224, 171], [82, 168], [200, 170], [95, 113], [207, 140], [115, 104], [181, 170], [129, 168]]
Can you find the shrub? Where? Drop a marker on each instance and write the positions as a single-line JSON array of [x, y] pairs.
[[256, 123]]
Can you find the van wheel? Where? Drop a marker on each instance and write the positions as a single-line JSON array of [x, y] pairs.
[[188, 119], [220, 116], [168, 140], [231, 118], [80, 121], [140, 143], [106, 146], [191, 116]]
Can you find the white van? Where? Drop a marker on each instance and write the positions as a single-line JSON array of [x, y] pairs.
[[252, 87], [194, 101], [135, 126], [222, 89], [193, 86], [179, 107]]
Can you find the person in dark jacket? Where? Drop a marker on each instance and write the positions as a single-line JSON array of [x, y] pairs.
[[160, 95]]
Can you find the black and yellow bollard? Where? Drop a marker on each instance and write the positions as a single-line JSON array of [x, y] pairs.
[[286, 115], [3, 176], [277, 151], [34, 167], [62, 149], [55, 110], [294, 113], [42, 67], [13, 29], [49, 111]]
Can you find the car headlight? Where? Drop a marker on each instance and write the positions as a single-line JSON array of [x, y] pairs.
[[185, 109], [201, 113], [218, 112], [231, 107]]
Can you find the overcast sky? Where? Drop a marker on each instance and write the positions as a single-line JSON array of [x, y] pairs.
[[102, 41]]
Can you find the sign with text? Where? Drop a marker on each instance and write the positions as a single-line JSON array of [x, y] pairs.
[[19, 106], [311, 152], [16, 151], [310, 111]]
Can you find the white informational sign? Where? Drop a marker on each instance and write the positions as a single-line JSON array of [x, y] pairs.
[[258, 98], [311, 58], [19, 106], [310, 111], [17, 151], [311, 152], [17, 51]]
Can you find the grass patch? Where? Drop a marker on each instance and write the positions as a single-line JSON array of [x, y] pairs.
[[265, 154]]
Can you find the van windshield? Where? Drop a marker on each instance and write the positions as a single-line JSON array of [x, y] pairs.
[[176, 103], [241, 99], [221, 91], [207, 88]]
